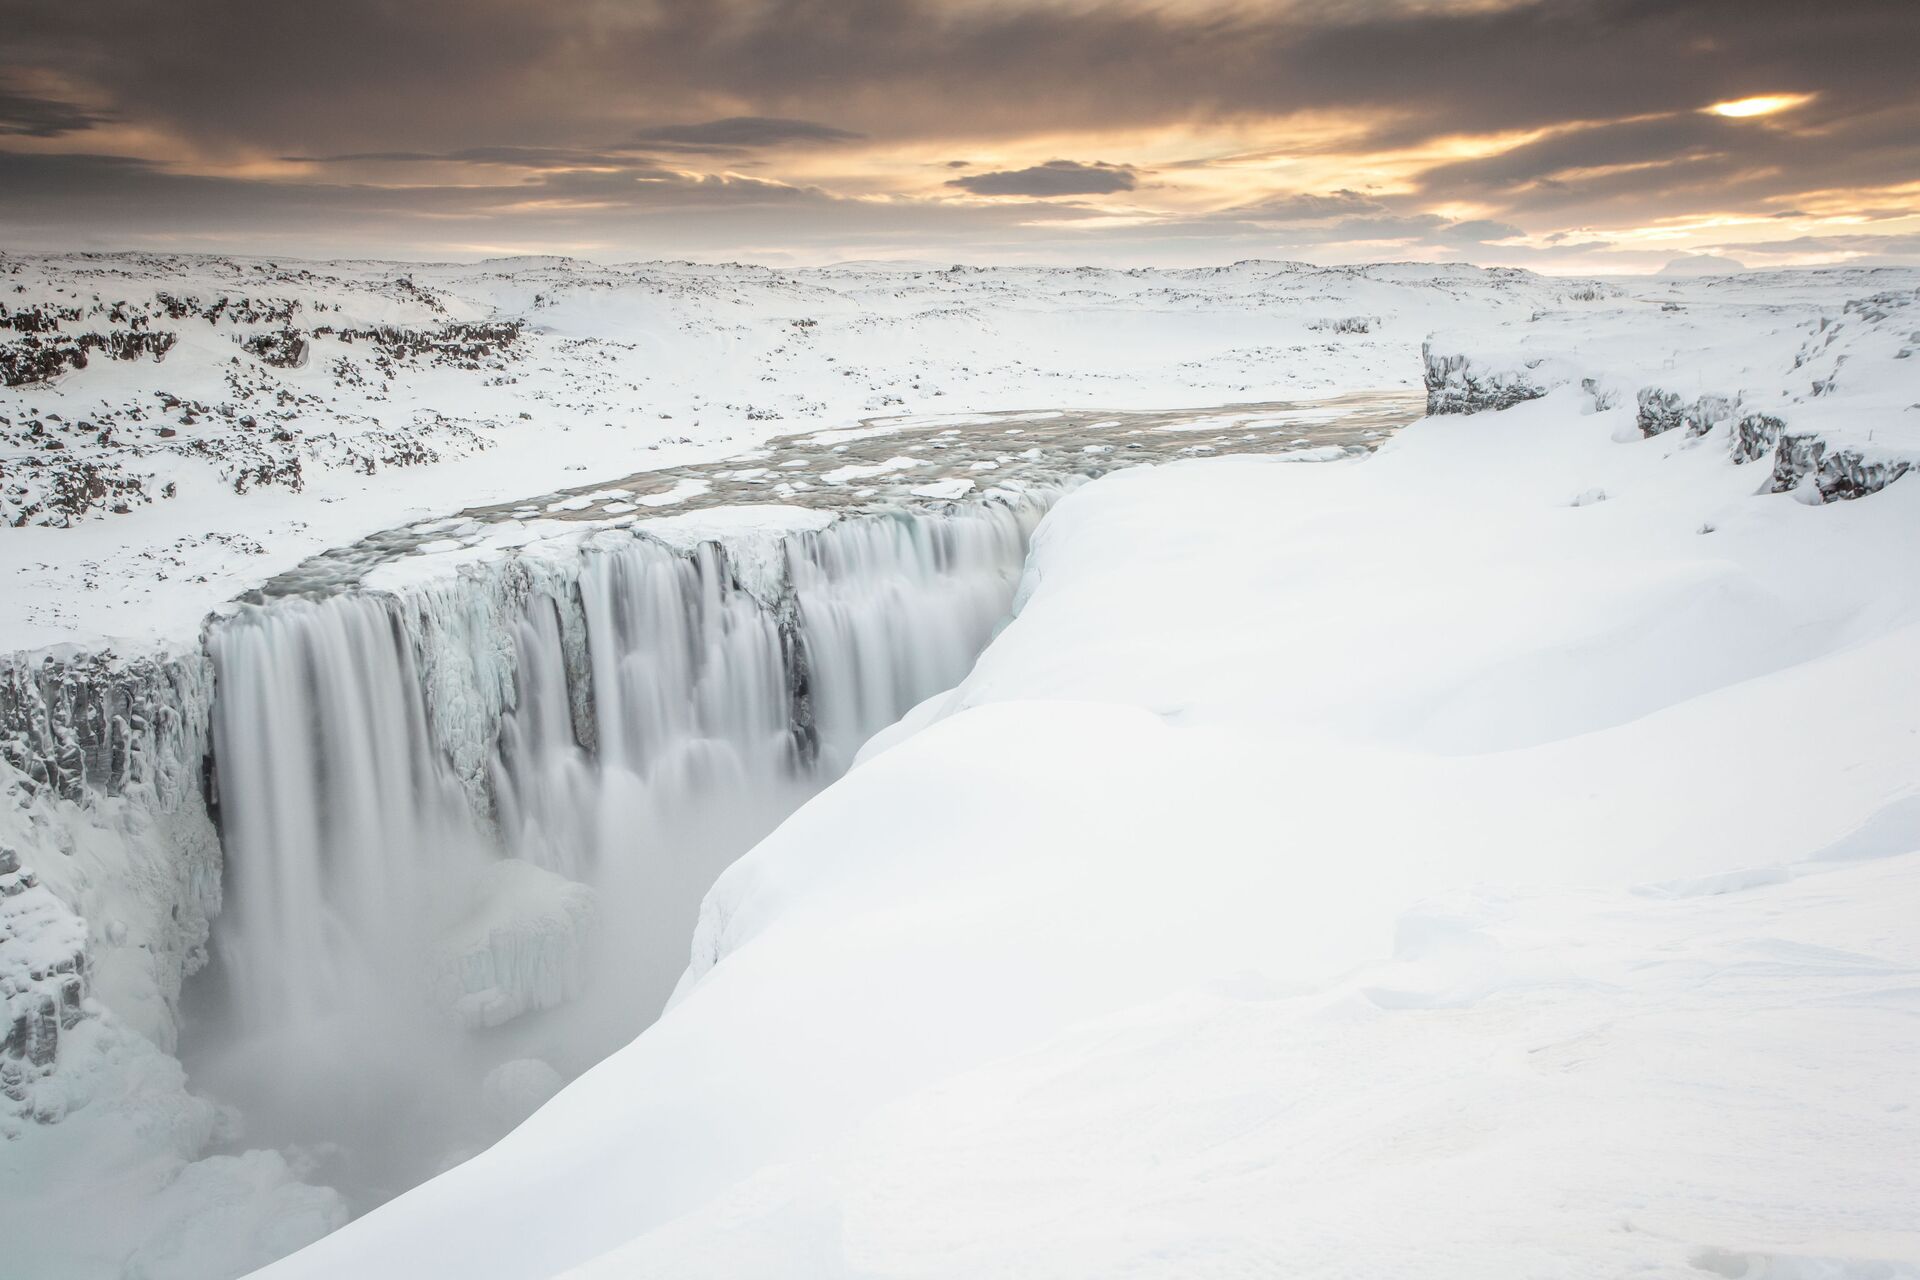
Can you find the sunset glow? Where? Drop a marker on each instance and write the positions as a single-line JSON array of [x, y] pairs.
[[1765, 105]]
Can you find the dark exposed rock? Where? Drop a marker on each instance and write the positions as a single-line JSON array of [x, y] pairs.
[[37, 319], [43, 1032], [241, 310], [281, 348], [1755, 435], [1837, 474], [803, 727], [1455, 385], [461, 346], [92, 720], [43, 976], [37, 359], [1662, 411]]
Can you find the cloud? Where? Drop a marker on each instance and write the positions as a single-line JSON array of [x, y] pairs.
[[1879, 247], [737, 133], [1428, 228], [23, 115], [504, 156], [109, 201], [1054, 178], [1657, 166], [1665, 140], [1477, 231], [1612, 88], [364, 75], [103, 190], [1306, 207]]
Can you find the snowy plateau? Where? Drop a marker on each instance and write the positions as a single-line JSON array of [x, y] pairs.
[[533, 768]]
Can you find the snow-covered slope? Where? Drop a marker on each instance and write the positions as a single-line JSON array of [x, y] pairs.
[[1491, 858]]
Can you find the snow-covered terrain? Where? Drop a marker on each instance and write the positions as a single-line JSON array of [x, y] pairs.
[[299, 406], [1488, 856], [1494, 857]]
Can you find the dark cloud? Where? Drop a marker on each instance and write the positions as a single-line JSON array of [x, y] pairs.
[[557, 87], [105, 188], [1666, 140], [310, 79], [737, 133], [514, 157], [1054, 178], [736, 136], [106, 201], [23, 115], [1638, 169], [1478, 231]]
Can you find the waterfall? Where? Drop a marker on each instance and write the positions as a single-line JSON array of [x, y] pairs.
[[503, 792], [338, 817]]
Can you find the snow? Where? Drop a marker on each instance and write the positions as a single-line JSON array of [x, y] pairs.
[[842, 475], [946, 490], [1406, 867], [120, 1185], [1493, 856], [679, 493], [135, 860], [516, 1088], [1547, 1084]]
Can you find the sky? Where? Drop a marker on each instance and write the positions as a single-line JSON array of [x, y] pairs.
[[1570, 136]]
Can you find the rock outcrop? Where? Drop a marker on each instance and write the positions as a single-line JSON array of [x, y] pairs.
[[1456, 384], [43, 980], [1835, 474], [1663, 411]]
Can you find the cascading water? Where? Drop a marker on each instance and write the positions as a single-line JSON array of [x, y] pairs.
[[470, 823], [340, 819]]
